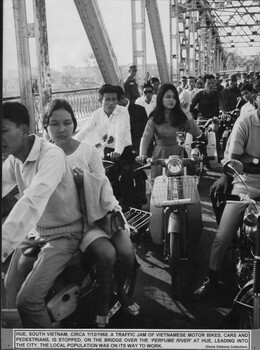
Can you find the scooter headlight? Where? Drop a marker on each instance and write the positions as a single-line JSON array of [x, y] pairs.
[[174, 165]]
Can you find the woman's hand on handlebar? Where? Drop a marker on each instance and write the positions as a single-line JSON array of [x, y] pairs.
[[141, 159]]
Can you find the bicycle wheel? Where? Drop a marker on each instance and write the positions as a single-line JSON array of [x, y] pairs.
[[245, 314], [175, 265]]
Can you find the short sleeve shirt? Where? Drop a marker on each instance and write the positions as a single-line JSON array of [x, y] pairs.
[[245, 136]]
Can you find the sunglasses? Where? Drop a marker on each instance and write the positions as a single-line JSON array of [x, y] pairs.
[[148, 92]]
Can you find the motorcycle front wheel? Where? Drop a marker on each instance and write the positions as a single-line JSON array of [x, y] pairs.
[[175, 265]]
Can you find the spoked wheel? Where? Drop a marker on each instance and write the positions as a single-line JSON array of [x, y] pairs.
[[244, 313], [175, 264]]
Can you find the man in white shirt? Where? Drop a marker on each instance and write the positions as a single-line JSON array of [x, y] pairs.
[[48, 204], [148, 100], [109, 120], [183, 85], [192, 90]]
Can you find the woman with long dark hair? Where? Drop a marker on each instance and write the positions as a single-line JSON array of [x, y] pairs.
[[165, 121]]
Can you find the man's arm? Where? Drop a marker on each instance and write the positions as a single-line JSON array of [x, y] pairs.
[[30, 207], [88, 132]]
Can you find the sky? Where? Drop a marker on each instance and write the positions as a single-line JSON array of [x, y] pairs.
[[68, 42]]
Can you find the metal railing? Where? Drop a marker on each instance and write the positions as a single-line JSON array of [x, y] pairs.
[[83, 102]]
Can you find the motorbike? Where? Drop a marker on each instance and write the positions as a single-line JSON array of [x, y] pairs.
[[71, 299], [227, 121], [170, 224], [246, 308], [210, 139], [128, 185]]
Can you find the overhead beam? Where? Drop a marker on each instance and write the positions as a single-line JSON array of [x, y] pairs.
[[229, 26], [158, 40], [23, 57], [42, 49], [94, 26], [139, 27]]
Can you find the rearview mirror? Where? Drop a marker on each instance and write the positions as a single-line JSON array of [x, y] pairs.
[[233, 167]]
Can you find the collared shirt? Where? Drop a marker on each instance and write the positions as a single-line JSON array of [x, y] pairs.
[[245, 136], [149, 107], [246, 108], [116, 125], [245, 141], [208, 104], [49, 196]]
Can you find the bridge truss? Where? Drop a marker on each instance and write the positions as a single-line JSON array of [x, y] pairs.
[[202, 33]]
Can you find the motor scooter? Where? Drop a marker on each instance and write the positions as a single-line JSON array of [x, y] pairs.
[[246, 309], [171, 221], [210, 129], [72, 297]]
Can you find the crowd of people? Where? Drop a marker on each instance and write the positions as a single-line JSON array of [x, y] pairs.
[[130, 125]]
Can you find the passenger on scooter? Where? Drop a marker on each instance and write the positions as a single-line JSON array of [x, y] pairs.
[[49, 205], [111, 254], [244, 145]]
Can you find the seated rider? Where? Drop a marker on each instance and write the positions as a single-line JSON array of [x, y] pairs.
[[244, 145], [228, 96], [112, 253], [206, 101], [248, 92], [48, 203], [166, 120], [111, 120], [133, 183]]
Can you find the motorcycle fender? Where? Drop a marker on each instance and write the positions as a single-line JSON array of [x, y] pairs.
[[174, 223], [64, 303], [242, 291]]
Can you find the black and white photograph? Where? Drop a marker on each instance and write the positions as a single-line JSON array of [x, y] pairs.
[[130, 174]]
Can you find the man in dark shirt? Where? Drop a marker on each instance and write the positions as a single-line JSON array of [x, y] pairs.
[[206, 101], [133, 183], [228, 97], [130, 85], [138, 118]]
